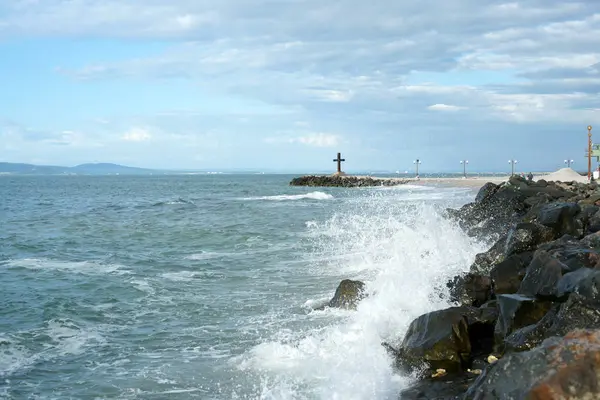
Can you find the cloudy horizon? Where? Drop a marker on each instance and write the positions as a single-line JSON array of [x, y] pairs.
[[284, 85]]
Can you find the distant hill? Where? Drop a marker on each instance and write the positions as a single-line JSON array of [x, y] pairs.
[[82, 169]]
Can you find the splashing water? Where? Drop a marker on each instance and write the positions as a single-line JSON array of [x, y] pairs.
[[404, 251], [283, 197]]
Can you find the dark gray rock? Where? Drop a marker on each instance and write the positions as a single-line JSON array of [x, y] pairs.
[[515, 312], [448, 339], [470, 289], [484, 262], [542, 277], [344, 181], [526, 237], [447, 387], [560, 368], [561, 217], [573, 253], [439, 339], [571, 282], [507, 275], [486, 192], [348, 294], [579, 312]]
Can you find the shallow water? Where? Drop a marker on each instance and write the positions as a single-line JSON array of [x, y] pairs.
[[203, 286]]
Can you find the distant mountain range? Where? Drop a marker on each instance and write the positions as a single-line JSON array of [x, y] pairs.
[[82, 169]]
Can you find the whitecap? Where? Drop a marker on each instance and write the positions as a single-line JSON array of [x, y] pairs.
[[404, 252], [79, 267], [284, 197]]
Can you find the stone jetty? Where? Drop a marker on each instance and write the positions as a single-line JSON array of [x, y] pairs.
[[341, 180], [525, 319]]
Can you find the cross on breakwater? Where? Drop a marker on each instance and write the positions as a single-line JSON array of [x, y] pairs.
[[339, 160]]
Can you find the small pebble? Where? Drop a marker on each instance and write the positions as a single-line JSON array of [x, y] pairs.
[[439, 372], [492, 359]]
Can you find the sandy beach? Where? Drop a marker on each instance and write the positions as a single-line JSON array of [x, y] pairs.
[[562, 175], [474, 182]]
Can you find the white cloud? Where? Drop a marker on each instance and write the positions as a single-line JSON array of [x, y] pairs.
[[307, 68], [445, 107], [319, 140], [316, 139], [136, 135]]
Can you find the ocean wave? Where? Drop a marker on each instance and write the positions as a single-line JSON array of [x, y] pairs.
[[79, 267], [59, 338], [395, 248], [283, 197], [175, 202]]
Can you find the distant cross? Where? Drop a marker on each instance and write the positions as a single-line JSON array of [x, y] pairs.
[[339, 160]]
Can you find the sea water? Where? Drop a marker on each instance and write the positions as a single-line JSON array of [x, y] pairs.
[[205, 286]]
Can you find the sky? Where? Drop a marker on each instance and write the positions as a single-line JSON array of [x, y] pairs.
[[281, 85]]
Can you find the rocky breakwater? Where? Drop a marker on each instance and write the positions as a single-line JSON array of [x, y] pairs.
[[345, 181], [525, 319]]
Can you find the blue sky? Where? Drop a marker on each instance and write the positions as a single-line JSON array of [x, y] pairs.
[[284, 85]]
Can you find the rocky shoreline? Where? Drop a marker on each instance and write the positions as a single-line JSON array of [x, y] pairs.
[[525, 320], [345, 181]]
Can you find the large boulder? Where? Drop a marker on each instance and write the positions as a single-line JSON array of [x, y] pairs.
[[530, 336], [577, 312], [439, 339], [446, 387], [470, 289], [348, 294], [507, 275], [485, 261], [448, 339], [515, 312], [561, 368], [486, 192], [574, 253], [526, 236], [561, 217], [581, 280], [495, 210], [542, 277]]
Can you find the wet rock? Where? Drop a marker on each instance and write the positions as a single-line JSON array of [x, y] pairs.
[[593, 199], [486, 192], [496, 209], [470, 289], [571, 282], [528, 337], [573, 253], [561, 368], [561, 218], [448, 387], [439, 339], [344, 181], [515, 312], [586, 216], [507, 275], [578, 312], [526, 237], [481, 323], [594, 223], [484, 262], [542, 277], [348, 294], [449, 339]]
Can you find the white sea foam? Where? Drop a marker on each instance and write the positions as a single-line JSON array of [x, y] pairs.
[[182, 276], [79, 267], [284, 197], [205, 255], [62, 337], [405, 252]]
